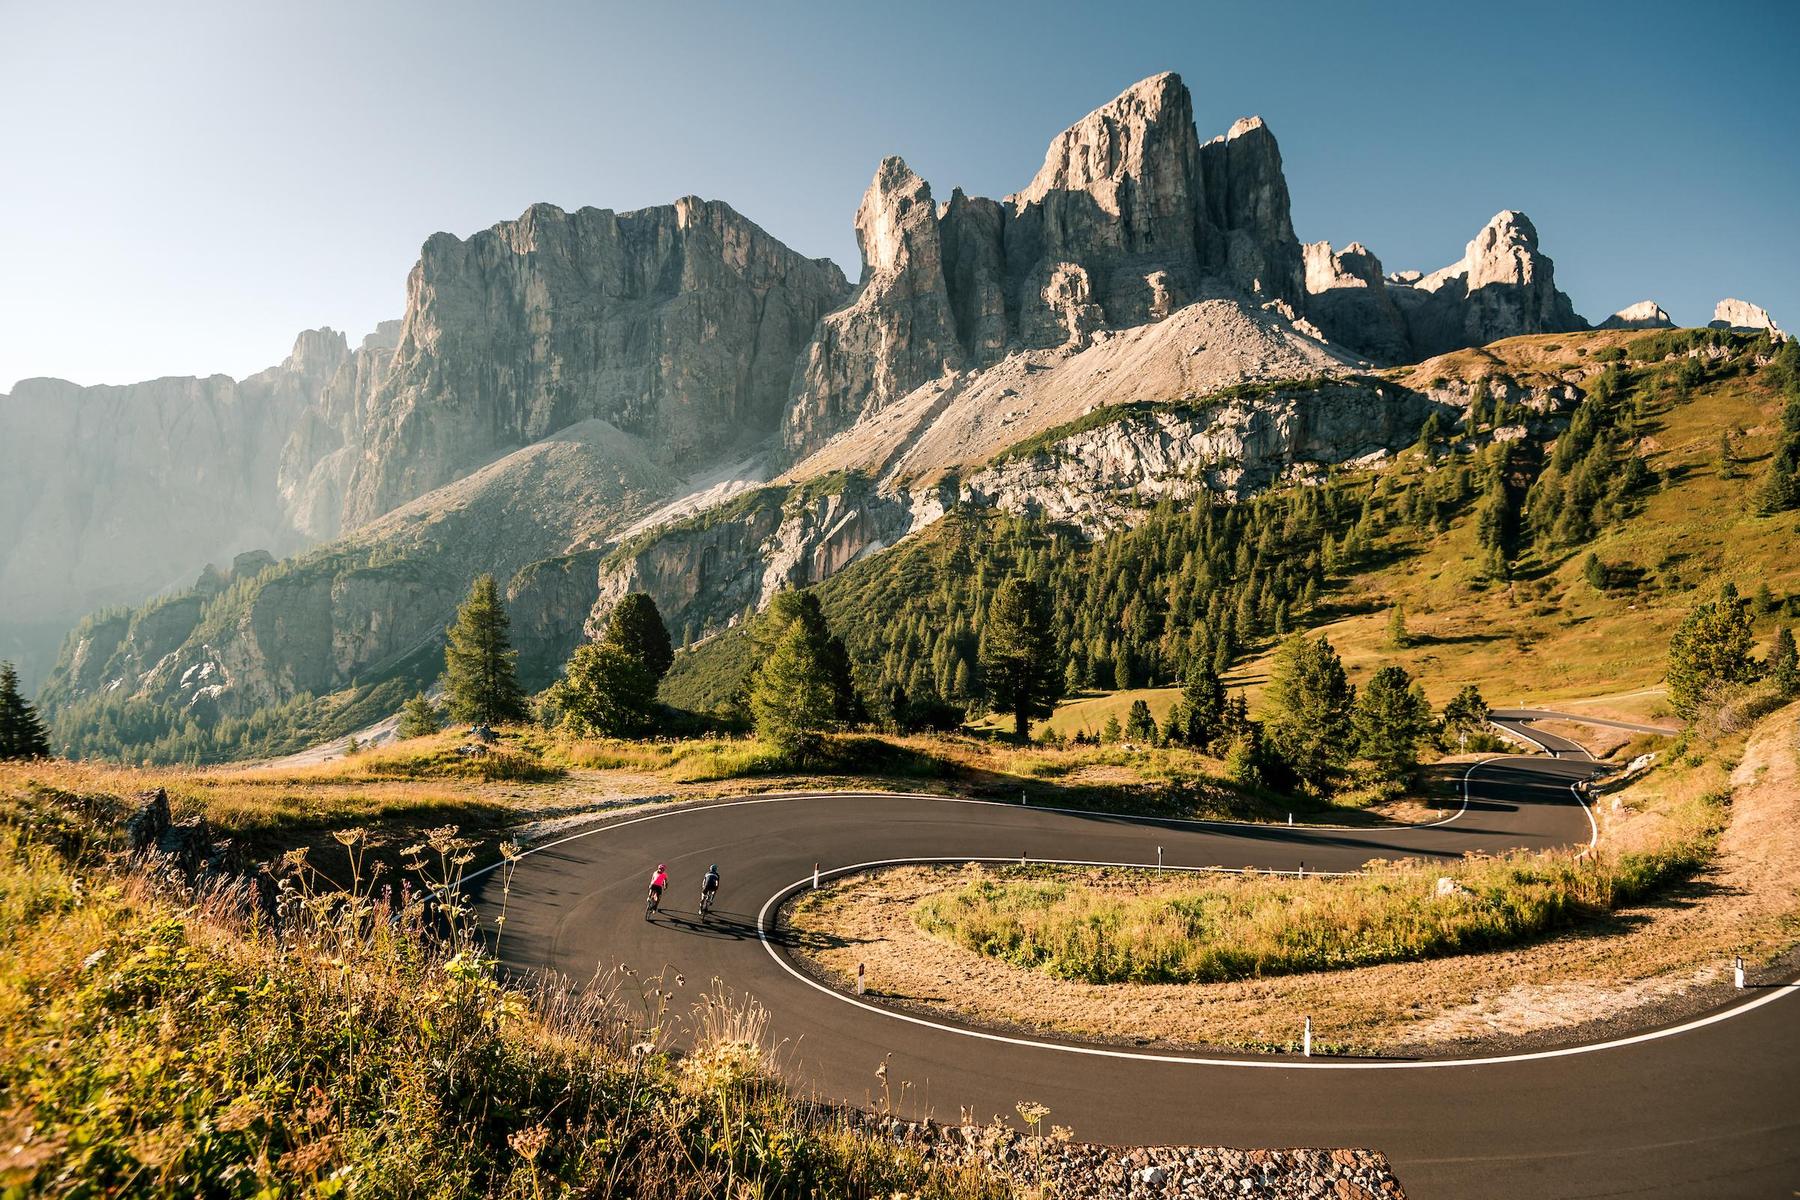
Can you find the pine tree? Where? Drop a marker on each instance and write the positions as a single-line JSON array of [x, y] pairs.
[[1780, 487], [792, 697], [1784, 669], [1310, 699], [21, 732], [1390, 718], [1467, 710], [1019, 663], [1398, 636], [419, 717], [636, 626], [1709, 651], [1140, 726], [1202, 706], [606, 691], [479, 661]]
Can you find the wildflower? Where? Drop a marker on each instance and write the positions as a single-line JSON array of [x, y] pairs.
[[529, 1143]]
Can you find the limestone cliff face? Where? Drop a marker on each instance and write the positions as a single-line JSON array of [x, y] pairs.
[[1741, 314], [679, 323], [1502, 286], [900, 329], [1128, 220], [112, 494]]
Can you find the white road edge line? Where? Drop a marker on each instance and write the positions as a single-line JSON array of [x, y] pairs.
[[1775, 993]]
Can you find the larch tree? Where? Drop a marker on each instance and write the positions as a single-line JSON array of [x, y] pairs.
[[1709, 653], [1018, 659], [480, 672]]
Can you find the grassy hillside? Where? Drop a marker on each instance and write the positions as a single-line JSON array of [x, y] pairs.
[[1509, 602]]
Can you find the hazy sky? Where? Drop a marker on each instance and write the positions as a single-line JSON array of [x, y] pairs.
[[183, 187]]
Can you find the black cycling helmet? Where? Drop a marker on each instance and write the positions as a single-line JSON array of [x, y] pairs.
[[714, 868]]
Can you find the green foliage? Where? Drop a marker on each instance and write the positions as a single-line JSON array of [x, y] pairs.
[[1398, 636], [606, 691], [1018, 659], [1391, 717], [792, 695], [419, 717], [1784, 670], [479, 676], [1467, 710], [1710, 654], [1199, 719], [22, 734], [636, 627], [1140, 726], [1310, 700]]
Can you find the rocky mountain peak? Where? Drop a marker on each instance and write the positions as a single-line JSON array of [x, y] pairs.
[[1741, 314], [896, 223], [1645, 314], [1144, 138]]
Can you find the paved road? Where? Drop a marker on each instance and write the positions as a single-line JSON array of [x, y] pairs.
[[1714, 1111]]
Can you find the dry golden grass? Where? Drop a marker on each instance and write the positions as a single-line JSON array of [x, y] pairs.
[[1746, 901]]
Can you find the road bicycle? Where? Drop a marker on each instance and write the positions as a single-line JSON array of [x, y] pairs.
[[706, 901], [652, 903]]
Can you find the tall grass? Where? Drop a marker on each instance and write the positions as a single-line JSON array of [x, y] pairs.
[[1122, 927], [158, 1039]]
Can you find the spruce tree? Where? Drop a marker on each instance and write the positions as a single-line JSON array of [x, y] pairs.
[[1140, 726], [1390, 718], [21, 732], [636, 627], [1018, 663], [1467, 710], [480, 679], [419, 716], [1310, 699], [791, 698], [1398, 636], [1202, 707]]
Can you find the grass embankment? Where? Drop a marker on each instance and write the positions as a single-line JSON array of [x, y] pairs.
[[157, 1042], [1121, 927], [1698, 860]]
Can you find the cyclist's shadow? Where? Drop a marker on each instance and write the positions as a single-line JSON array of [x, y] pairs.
[[719, 924]]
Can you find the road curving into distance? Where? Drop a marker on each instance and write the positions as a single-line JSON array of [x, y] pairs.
[[1708, 1107]]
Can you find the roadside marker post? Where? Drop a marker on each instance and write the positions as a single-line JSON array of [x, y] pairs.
[[1159, 862], [815, 877], [1290, 818], [1737, 969], [1021, 858], [1306, 1042], [862, 984]]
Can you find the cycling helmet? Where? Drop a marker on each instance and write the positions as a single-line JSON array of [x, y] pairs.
[[714, 868]]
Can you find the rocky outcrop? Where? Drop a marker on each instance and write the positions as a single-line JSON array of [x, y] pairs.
[[114, 493], [1741, 314], [1645, 314], [679, 324], [1503, 286], [1347, 297], [1129, 219], [900, 329], [709, 570], [371, 607]]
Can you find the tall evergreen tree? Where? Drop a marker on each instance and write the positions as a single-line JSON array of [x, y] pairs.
[[419, 716], [1709, 651], [1140, 726], [1390, 718], [1467, 710], [1784, 668], [480, 679], [792, 700], [636, 627], [1201, 712], [21, 733], [1019, 662], [1310, 698]]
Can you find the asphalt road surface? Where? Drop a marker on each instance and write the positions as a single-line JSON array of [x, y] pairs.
[[1712, 1110]]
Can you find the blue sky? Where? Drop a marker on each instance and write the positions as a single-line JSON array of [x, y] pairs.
[[189, 184]]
